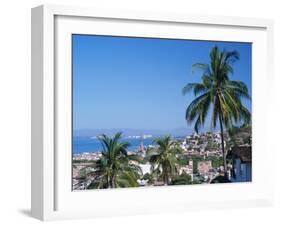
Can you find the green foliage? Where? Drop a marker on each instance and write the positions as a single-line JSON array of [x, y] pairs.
[[217, 90], [217, 94], [115, 168], [216, 161], [211, 145], [83, 173], [239, 136], [164, 160], [182, 161], [182, 179], [146, 176]]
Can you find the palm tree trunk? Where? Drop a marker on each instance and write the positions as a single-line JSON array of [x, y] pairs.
[[166, 178], [222, 145], [164, 175], [113, 181], [108, 181]]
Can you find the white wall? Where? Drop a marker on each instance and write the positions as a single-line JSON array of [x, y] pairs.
[[15, 109]]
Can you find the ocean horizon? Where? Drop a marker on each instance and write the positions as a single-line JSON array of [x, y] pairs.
[[92, 144]]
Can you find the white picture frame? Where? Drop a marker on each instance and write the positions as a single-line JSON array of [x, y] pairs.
[[52, 197]]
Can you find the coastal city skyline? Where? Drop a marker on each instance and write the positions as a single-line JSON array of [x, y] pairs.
[[144, 80]]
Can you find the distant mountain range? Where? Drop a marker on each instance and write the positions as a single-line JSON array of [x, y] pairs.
[[132, 132]]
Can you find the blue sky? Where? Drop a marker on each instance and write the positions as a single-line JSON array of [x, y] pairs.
[[136, 83]]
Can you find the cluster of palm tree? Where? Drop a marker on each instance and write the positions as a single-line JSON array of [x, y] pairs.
[[116, 168], [218, 95]]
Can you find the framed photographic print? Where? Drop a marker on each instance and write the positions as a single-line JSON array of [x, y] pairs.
[[136, 113]]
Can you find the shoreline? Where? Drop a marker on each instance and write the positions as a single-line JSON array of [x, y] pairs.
[[141, 147]]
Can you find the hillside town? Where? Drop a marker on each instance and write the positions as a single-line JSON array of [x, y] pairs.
[[200, 161]]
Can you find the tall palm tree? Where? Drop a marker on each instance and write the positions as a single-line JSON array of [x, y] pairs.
[[164, 160], [116, 168], [218, 94]]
